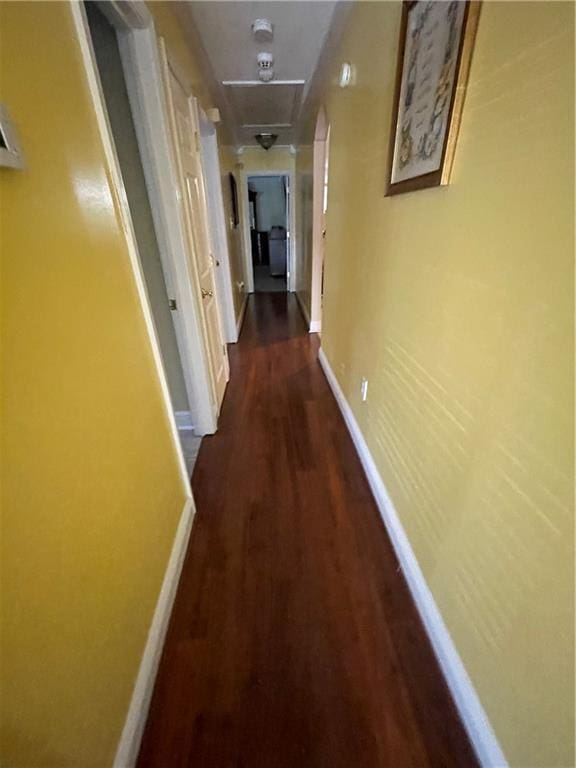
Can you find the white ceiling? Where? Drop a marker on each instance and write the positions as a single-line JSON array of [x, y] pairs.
[[303, 29]]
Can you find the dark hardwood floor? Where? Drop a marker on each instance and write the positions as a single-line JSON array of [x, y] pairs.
[[293, 642]]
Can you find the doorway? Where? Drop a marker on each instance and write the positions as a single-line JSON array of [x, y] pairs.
[[269, 217], [162, 306], [319, 211]]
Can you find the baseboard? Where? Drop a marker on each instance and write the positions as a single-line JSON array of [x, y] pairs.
[[240, 319], [471, 711], [303, 309], [129, 746], [315, 326], [183, 420]]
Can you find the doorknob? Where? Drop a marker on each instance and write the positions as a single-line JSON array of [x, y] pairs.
[[206, 293]]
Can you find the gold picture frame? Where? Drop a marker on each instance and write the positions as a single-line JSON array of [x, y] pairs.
[[434, 56]]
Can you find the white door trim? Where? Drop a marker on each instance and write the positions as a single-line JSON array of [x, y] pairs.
[[218, 234], [143, 74], [320, 158], [121, 204], [245, 216]]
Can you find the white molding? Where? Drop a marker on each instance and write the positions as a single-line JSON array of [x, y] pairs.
[[126, 15], [140, 58], [315, 326], [118, 191], [240, 320], [217, 230], [245, 224], [143, 75], [129, 745], [466, 699], [320, 156], [244, 214], [184, 421]]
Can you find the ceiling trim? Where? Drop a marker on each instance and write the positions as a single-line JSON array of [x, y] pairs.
[[267, 125], [255, 83]]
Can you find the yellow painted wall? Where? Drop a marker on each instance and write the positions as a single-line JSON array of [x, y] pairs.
[[457, 305], [91, 493], [304, 179], [275, 159], [229, 164]]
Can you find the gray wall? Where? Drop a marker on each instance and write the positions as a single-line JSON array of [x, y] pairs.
[[113, 84]]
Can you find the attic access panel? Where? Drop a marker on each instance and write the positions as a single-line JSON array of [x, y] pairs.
[[267, 104]]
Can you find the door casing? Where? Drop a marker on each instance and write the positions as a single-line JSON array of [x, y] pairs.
[[218, 230], [320, 169], [138, 45], [245, 219], [183, 106]]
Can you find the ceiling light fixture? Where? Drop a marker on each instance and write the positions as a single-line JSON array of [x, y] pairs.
[[262, 30], [266, 140]]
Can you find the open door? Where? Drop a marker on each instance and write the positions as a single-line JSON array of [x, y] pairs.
[[183, 112]]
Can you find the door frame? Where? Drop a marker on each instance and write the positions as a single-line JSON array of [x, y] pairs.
[[138, 44], [171, 70], [245, 215], [218, 231], [80, 21], [321, 150]]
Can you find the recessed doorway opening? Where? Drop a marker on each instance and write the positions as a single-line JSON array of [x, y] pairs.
[[269, 220]]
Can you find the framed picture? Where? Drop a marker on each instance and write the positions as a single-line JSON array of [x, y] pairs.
[[436, 43], [234, 198]]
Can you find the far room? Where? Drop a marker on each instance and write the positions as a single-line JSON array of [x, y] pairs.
[[268, 200]]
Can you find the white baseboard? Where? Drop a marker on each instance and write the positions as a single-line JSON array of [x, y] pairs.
[[240, 319], [129, 746], [183, 420], [471, 711], [315, 326]]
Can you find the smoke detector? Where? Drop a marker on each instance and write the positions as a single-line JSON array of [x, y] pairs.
[[262, 30], [266, 75], [265, 60]]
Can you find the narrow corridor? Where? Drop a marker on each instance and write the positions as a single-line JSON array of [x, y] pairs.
[[294, 642]]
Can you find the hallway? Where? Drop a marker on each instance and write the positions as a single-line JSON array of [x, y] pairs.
[[293, 642]]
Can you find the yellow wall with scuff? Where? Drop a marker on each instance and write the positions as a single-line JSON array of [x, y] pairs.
[[457, 305], [91, 490]]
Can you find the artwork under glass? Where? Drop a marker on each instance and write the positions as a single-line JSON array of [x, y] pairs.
[[435, 48]]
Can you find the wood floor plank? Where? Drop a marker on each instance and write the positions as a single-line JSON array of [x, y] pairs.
[[293, 642]]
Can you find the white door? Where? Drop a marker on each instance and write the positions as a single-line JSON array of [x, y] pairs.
[[185, 133], [217, 219]]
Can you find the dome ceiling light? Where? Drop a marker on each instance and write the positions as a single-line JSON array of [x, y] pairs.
[[266, 140], [262, 30]]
